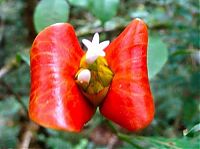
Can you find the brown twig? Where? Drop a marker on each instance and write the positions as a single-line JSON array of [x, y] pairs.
[[7, 67], [27, 136], [26, 140]]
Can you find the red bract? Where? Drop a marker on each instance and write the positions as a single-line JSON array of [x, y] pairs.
[[56, 101]]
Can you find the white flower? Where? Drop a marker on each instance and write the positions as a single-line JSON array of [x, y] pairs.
[[84, 76], [95, 49]]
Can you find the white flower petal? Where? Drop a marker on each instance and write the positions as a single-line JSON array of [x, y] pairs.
[[84, 76], [95, 49], [104, 44], [102, 53], [91, 57], [138, 19], [87, 43], [95, 39]]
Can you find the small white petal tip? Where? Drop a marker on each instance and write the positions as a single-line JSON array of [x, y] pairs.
[[95, 49], [138, 19], [84, 76]]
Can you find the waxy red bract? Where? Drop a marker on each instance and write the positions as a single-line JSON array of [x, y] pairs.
[[56, 101], [129, 102]]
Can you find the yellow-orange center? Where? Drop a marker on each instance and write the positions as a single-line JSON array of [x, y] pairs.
[[101, 76]]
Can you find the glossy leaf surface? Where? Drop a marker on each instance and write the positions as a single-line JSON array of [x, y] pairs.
[[104, 10], [157, 55], [129, 102], [80, 3], [55, 100], [49, 12]]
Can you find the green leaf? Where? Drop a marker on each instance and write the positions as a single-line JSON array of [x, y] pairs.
[[23, 56], [57, 143], [82, 144], [8, 136], [9, 112], [80, 3], [140, 142], [182, 52], [49, 12], [9, 108], [173, 143], [158, 18], [193, 131], [104, 9], [157, 55]]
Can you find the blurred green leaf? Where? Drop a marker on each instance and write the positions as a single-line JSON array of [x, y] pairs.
[[17, 82], [175, 105], [139, 12], [49, 12], [23, 56], [65, 136], [80, 3], [182, 52], [190, 114], [9, 108], [82, 144], [160, 143], [58, 143], [157, 55], [173, 143], [193, 131], [158, 17], [8, 136], [104, 9]]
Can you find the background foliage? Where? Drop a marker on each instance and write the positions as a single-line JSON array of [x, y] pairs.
[[173, 61]]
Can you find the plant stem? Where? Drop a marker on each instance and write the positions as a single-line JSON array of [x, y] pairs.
[[7, 67], [111, 126], [127, 139], [122, 136]]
